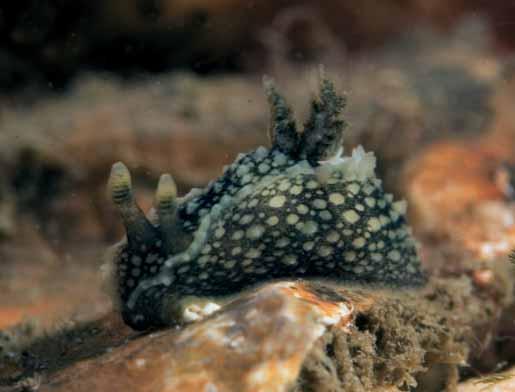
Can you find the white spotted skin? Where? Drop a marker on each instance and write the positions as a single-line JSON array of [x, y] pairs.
[[293, 230], [300, 209], [284, 224]]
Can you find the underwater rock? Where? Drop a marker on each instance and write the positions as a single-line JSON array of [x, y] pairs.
[[462, 206], [498, 382], [298, 210], [426, 86], [41, 285], [283, 336], [256, 343], [461, 192]]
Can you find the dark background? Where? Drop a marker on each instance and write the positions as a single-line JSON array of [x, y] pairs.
[[45, 43]]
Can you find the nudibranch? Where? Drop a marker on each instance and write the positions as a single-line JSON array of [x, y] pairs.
[[297, 210]]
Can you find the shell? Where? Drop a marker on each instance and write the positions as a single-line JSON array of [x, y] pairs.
[[297, 210]]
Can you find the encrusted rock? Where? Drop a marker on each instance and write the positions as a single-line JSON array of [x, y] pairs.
[[256, 343], [462, 192], [283, 336], [39, 285], [498, 382]]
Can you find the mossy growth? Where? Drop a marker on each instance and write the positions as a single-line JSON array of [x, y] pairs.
[[407, 340], [399, 340], [29, 350]]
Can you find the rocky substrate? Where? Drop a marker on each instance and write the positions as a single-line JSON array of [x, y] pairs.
[[286, 336]]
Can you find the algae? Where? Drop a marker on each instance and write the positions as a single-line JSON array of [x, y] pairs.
[[416, 339]]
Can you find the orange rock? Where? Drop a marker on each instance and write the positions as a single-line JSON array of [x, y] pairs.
[[504, 381], [461, 191], [256, 343], [37, 283], [284, 336]]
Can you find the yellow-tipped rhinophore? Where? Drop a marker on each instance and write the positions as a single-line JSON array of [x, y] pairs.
[[166, 193], [166, 200], [136, 223], [120, 184]]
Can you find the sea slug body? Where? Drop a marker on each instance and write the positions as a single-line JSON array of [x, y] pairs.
[[297, 210]]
